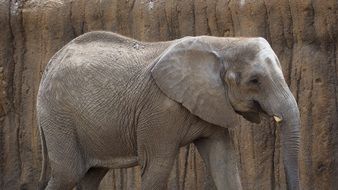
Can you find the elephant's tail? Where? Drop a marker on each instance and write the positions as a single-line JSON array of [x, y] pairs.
[[42, 181]]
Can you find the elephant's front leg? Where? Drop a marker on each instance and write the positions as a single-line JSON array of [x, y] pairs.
[[219, 156], [156, 159], [155, 173], [157, 150]]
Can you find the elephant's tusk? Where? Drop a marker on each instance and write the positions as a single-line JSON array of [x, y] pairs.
[[278, 119]]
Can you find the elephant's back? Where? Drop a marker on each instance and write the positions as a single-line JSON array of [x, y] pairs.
[[103, 37], [119, 48], [100, 68], [100, 59]]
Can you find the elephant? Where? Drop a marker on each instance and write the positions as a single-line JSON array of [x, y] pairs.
[[108, 101]]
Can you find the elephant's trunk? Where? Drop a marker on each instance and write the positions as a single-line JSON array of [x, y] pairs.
[[289, 122], [290, 143]]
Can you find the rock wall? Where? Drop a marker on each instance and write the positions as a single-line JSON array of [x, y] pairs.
[[303, 33]]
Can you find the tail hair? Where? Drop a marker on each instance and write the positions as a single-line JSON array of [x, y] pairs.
[[42, 181]]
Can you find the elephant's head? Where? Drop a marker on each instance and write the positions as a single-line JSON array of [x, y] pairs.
[[218, 79]]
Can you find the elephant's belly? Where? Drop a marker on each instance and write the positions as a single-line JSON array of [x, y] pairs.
[[122, 162], [108, 146]]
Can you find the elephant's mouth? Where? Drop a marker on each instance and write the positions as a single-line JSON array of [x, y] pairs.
[[255, 113]]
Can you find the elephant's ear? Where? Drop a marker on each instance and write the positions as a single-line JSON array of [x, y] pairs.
[[189, 72]]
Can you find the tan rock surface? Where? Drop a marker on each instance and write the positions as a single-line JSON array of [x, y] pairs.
[[303, 33]]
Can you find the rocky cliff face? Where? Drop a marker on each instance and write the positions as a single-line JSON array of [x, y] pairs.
[[303, 33]]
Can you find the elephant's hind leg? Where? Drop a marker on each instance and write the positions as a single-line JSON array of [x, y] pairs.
[[65, 156], [65, 174], [92, 179], [64, 177]]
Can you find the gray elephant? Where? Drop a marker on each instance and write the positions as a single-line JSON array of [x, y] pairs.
[[107, 101]]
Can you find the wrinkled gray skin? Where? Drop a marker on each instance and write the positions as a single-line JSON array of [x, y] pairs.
[[107, 101]]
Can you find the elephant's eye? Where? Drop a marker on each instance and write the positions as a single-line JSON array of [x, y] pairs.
[[254, 81]]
